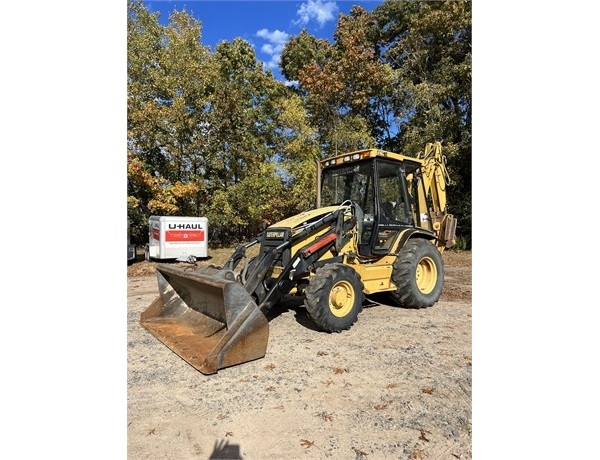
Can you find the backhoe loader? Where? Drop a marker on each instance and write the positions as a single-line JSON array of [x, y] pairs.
[[379, 226]]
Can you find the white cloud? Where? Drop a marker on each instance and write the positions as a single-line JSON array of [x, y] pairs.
[[318, 10], [276, 36], [276, 41]]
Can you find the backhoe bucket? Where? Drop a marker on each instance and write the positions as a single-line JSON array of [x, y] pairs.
[[207, 318]]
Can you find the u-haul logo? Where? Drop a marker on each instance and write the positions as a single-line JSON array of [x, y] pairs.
[[185, 226]]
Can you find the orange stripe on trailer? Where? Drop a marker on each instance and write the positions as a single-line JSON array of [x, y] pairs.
[[184, 235]]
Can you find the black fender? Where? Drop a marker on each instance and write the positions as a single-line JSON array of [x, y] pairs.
[[411, 233]]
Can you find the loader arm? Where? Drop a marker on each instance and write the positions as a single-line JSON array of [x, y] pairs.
[[307, 251]]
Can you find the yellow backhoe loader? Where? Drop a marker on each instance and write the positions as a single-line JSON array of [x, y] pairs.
[[380, 225]]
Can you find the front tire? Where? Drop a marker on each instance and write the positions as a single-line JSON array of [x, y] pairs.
[[418, 274], [334, 297]]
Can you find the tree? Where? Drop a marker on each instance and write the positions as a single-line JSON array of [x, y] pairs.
[[241, 142], [298, 146], [301, 51], [428, 44], [207, 130], [338, 80], [201, 129], [166, 96]]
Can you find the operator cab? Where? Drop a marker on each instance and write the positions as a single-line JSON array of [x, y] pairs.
[[382, 202]]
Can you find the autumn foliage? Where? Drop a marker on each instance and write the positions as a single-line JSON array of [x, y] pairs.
[[213, 133]]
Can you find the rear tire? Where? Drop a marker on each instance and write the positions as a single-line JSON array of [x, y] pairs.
[[418, 274], [334, 297]]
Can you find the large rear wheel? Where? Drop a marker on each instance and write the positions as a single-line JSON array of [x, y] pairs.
[[418, 274], [334, 297]]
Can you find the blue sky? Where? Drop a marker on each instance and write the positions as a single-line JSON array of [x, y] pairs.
[[267, 24]]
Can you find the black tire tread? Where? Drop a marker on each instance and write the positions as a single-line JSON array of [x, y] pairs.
[[317, 297], [403, 275]]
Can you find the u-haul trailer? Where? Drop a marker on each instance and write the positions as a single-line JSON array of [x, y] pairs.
[[177, 237]]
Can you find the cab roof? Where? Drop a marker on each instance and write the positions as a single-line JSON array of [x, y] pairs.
[[360, 155]]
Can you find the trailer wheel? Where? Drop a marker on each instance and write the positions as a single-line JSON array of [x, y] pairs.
[[334, 297], [418, 274]]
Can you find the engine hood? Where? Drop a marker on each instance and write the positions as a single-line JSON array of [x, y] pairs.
[[304, 217]]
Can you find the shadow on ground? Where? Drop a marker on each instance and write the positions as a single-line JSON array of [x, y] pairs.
[[225, 451]]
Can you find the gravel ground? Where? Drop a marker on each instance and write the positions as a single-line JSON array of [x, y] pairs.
[[397, 385]]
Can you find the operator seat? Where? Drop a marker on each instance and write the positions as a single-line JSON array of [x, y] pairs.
[[388, 210]]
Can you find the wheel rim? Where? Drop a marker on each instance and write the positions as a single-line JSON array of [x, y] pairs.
[[426, 275], [341, 299]]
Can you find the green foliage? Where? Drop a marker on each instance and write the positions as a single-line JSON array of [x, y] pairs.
[[340, 81], [200, 127], [462, 244], [244, 209], [297, 142], [301, 51], [167, 91], [428, 44]]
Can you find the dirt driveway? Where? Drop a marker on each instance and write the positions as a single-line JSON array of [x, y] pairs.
[[397, 385]]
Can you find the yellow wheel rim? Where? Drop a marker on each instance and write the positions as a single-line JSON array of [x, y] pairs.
[[341, 299], [426, 275]]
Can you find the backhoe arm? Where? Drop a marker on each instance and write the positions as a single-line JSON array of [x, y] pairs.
[[435, 175], [435, 179]]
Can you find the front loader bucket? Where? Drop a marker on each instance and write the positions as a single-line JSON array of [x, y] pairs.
[[207, 318]]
